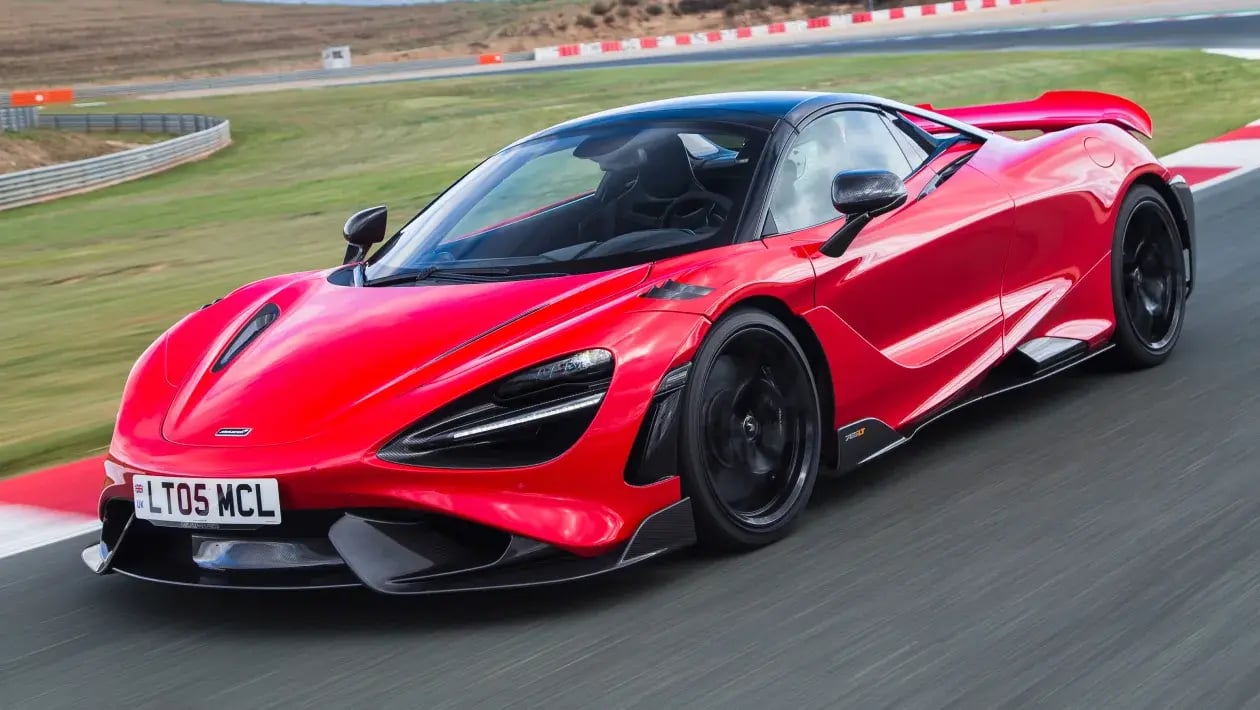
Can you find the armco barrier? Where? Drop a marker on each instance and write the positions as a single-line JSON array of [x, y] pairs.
[[18, 119], [199, 136], [239, 81]]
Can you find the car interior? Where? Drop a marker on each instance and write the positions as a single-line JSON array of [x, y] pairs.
[[660, 190]]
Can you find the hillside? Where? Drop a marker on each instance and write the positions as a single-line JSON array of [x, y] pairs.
[[34, 149], [103, 41]]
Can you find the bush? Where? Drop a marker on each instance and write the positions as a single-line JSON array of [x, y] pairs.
[[654, 10], [691, 7], [586, 21], [600, 8]]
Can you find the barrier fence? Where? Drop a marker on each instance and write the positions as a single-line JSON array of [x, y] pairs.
[[729, 34], [198, 137], [18, 119]]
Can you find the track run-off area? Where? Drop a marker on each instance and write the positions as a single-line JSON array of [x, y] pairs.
[[1091, 541]]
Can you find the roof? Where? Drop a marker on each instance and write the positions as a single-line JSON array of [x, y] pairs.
[[762, 108]]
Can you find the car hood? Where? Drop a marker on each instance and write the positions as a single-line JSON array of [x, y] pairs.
[[332, 348]]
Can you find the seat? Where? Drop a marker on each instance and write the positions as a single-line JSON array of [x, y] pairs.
[[648, 174]]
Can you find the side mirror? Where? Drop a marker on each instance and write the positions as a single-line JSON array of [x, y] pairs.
[[362, 230], [862, 195]]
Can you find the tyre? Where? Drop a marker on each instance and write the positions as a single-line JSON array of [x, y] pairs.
[[1148, 280], [751, 432]]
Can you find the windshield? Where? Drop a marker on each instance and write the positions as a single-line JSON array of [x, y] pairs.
[[583, 201]]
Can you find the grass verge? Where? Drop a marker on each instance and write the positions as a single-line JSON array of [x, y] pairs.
[[87, 282]]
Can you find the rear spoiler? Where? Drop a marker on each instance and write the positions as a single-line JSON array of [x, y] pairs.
[[1052, 111]]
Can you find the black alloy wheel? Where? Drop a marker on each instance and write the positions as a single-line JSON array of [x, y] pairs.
[[1148, 280], [751, 432]]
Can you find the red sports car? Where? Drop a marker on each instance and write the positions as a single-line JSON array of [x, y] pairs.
[[636, 331]]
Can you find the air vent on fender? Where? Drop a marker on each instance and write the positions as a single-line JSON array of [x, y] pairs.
[[263, 318], [672, 290]]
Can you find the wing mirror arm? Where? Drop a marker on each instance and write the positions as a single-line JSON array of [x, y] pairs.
[[354, 252], [362, 230], [861, 195]]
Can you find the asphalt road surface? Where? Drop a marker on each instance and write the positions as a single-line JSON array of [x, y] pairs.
[[1193, 33], [1091, 542], [1207, 32]]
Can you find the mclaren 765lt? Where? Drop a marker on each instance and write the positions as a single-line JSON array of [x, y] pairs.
[[637, 331]]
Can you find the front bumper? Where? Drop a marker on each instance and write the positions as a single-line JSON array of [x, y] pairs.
[[387, 551]]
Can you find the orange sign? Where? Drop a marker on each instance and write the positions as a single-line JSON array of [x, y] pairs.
[[39, 97]]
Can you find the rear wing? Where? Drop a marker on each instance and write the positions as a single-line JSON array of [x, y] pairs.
[[1052, 111]]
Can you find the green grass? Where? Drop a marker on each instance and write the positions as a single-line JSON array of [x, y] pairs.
[[87, 282]]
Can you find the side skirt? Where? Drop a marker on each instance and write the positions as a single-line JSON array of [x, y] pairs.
[[1038, 359]]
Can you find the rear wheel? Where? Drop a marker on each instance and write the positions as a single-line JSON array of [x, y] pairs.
[[751, 432], [1148, 280]]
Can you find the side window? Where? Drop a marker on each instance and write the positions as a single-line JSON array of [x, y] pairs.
[[915, 152], [845, 140]]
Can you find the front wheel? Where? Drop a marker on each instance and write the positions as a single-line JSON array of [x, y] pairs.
[[751, 432], [1148, 278]]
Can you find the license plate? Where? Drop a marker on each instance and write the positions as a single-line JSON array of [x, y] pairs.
[[215, 501]]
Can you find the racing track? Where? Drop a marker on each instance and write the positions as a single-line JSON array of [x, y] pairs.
[[1092, 541], [1194, 33]]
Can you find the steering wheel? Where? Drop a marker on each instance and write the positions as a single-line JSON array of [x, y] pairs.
[[713, 211]]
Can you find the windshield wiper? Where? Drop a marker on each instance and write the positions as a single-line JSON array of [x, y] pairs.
[[466, 274]]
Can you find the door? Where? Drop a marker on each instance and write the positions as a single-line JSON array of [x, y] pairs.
[[921, 286]]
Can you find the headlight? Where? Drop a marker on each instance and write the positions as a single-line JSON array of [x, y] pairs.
[[584, 367], [524, 419]]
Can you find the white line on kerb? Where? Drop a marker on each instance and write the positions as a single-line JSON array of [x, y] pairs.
[[24, 528], [1241, 53]]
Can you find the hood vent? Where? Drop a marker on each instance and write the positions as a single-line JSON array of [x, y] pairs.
[[265, 317]]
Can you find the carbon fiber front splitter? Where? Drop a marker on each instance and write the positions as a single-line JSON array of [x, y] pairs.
[[386, 551]]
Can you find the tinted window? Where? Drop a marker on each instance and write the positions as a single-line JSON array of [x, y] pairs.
[[845, 140], [573, 201], [915, 152], [549, 179]]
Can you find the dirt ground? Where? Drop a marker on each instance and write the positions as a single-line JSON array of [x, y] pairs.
[[33, 149], [87, 42]]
